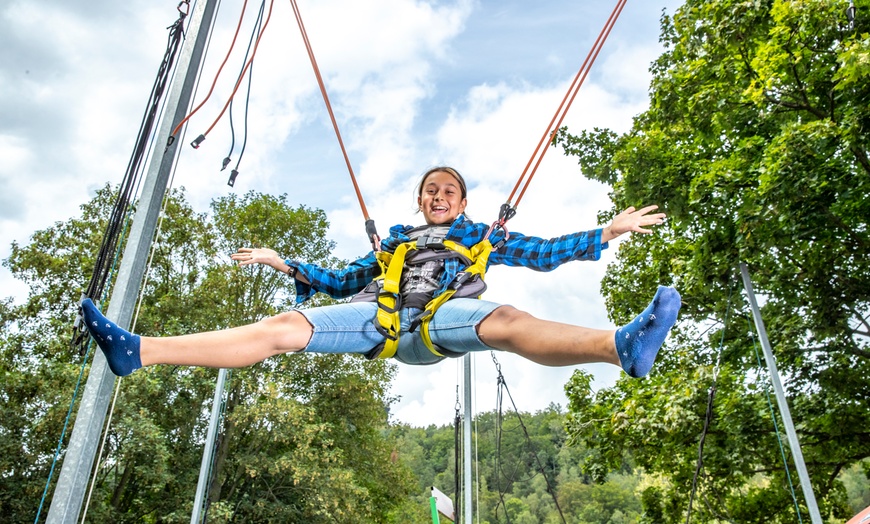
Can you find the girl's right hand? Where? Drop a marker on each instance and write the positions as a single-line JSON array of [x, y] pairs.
[[246, 256]]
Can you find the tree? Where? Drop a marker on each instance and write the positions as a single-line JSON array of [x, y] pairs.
[[302, 437], [755, 144]]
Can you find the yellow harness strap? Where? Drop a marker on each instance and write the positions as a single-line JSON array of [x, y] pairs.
[[389, 299]]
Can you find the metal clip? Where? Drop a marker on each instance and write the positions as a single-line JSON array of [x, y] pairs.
[[233, 174], [433, 242]]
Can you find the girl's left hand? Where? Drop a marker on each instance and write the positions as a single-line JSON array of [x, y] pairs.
[[634, 220]]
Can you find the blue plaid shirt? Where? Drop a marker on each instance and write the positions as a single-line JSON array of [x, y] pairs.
[[519, 250]]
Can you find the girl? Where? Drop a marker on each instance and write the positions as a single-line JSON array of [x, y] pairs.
[[459, 325]]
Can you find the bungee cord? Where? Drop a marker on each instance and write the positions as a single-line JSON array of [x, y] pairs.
[[508, 209], [216, 76], [578, 82], [235, 171], [371, 231], [248, 64], [201, 138]]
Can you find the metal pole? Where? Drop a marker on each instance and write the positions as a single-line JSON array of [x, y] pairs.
[[466, 455], [66, 503], [806, 486], [210, 438]]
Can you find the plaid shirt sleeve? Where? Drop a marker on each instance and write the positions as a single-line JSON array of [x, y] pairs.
[[548, 254], [337, 283], [343, 283]]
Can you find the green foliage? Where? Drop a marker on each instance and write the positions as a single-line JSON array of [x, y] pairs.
[[303, 437], [856, 481], [516, 490], [755, 144]]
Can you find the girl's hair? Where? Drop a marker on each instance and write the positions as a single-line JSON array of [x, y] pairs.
[[450, 171]]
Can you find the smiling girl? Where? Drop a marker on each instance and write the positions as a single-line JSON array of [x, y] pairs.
[[460, 325]]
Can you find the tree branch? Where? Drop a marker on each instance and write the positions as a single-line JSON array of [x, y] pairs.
[[849, 231], [861, 157], [861, 319], [858, 352]]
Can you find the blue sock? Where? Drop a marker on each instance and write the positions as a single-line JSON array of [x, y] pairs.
[[638, 342], [120, 347]]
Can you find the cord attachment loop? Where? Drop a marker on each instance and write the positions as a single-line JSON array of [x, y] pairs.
[[372, 234]]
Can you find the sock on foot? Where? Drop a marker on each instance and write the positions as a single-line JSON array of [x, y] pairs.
[[638, 342], [120, 347]]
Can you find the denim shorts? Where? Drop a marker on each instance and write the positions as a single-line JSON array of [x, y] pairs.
[[349, 328]]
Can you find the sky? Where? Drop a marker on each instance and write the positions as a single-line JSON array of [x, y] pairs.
[[468, 83]]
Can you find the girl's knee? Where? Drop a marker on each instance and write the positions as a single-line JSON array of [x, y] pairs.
[[290, 330], [499, 325], [505, 316], [280, 322]]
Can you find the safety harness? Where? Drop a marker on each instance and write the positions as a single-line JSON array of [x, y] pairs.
[[387, 291]]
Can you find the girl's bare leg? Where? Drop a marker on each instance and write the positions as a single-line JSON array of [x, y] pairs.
[[230, 348], [545, 342], [633, 347]]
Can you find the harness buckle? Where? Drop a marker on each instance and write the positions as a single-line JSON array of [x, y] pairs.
[[415, 323], [461, 278], [431, 242], [385, 332], [387, 294]]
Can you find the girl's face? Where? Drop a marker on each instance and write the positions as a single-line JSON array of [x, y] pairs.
[[441, 199]]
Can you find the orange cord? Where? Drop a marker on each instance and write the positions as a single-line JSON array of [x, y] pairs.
[[567, 100], [329, 109], [242, 74], [238, 26]]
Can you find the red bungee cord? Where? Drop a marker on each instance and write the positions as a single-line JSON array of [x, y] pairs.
[[201, 137], [371, 231], [508, 210]]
